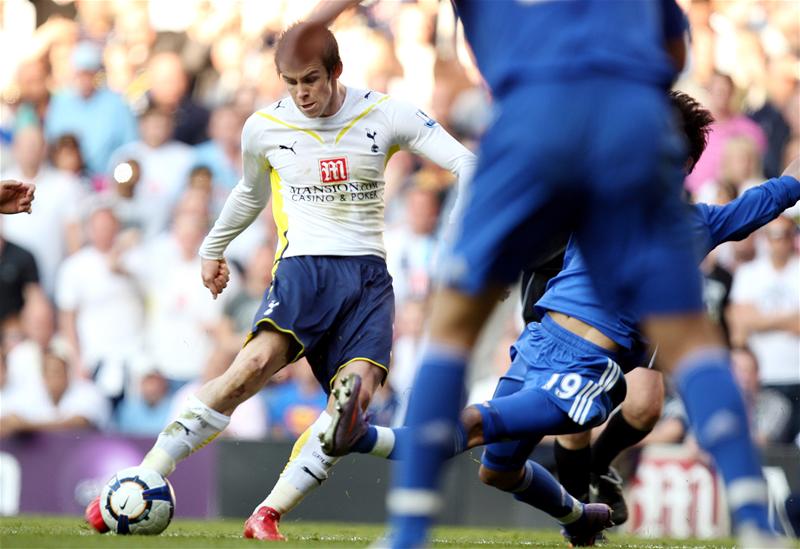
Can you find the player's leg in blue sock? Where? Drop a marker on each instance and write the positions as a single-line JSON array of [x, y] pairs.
[[382, 441], [719, 420], [540, 489], [385, 441], [505, 466], [433, 413]]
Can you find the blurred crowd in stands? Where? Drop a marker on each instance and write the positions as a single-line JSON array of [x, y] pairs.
[[127, 114]]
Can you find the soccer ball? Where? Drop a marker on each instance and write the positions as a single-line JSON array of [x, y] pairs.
[[137, 500]]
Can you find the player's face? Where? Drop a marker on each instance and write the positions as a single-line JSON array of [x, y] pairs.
[[311, 88]]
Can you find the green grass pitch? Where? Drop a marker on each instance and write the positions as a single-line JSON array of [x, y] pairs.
[[68, 532]]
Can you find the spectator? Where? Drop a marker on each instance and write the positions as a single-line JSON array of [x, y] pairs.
[[100, 310], [249, 420], [717, 283], [741, 163], [222, 153], [410, 248], [770, 411], [24, 352], [34, 96], [97, 116], [729, 122], [164, 168], [384, 407], [196, 199], [179, 306], [717, 279], [242, 306], [408, 325], [219, 83], [66, 401], [781, 76], [19, 277], [65, 155], [292, 406], [673, 425], [145, 412], [765, 314], [52, 231], [169, 92], [482, 389]]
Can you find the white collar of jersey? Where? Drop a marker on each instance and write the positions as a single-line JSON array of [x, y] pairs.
[[352, 95]]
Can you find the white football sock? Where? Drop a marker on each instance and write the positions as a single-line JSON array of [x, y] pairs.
[[307, 469], [195, 427]]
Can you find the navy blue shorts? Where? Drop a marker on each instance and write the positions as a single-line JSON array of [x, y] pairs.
[[558, 383], [337, 310], [598, 157]]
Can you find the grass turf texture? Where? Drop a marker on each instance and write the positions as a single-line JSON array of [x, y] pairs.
[[44, 531]]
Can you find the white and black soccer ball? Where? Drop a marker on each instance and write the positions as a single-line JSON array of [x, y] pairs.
[[137, 500]]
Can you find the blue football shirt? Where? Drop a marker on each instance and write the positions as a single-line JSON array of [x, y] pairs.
[[571, 292], [535, 40]]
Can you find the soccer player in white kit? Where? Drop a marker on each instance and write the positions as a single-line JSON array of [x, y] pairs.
[[321, 154]]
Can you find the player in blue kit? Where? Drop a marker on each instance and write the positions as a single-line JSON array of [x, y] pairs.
[[564, 376], [571, 299], [583, 141]]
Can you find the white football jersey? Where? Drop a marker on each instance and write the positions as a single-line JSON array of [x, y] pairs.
[[326, 174]]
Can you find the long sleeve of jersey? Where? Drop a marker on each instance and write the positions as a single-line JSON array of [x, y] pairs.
[[752, 210], [247, 198], [417, 132]]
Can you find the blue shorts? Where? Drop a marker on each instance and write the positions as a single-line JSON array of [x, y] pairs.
[[598, 157], [558, 383], [336, 309]]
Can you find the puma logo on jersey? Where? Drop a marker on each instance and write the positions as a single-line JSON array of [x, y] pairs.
[[333, 170], [288, 148], [279, 105], [371, 135], [271, 307]]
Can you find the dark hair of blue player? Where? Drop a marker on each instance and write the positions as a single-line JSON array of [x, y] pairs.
[[308, 41], [696, 123]]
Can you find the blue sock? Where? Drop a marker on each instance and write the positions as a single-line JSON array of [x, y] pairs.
[[366, 443], [370, 443], [718, 418], [540, 489], [433, 409]]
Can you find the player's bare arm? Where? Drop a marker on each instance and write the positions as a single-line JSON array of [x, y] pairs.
[[327, 11]]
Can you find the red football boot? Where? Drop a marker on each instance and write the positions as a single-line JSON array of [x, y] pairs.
[[94, 517], [263, 525]]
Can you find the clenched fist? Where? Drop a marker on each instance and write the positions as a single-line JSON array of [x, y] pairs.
[[215, 275]]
